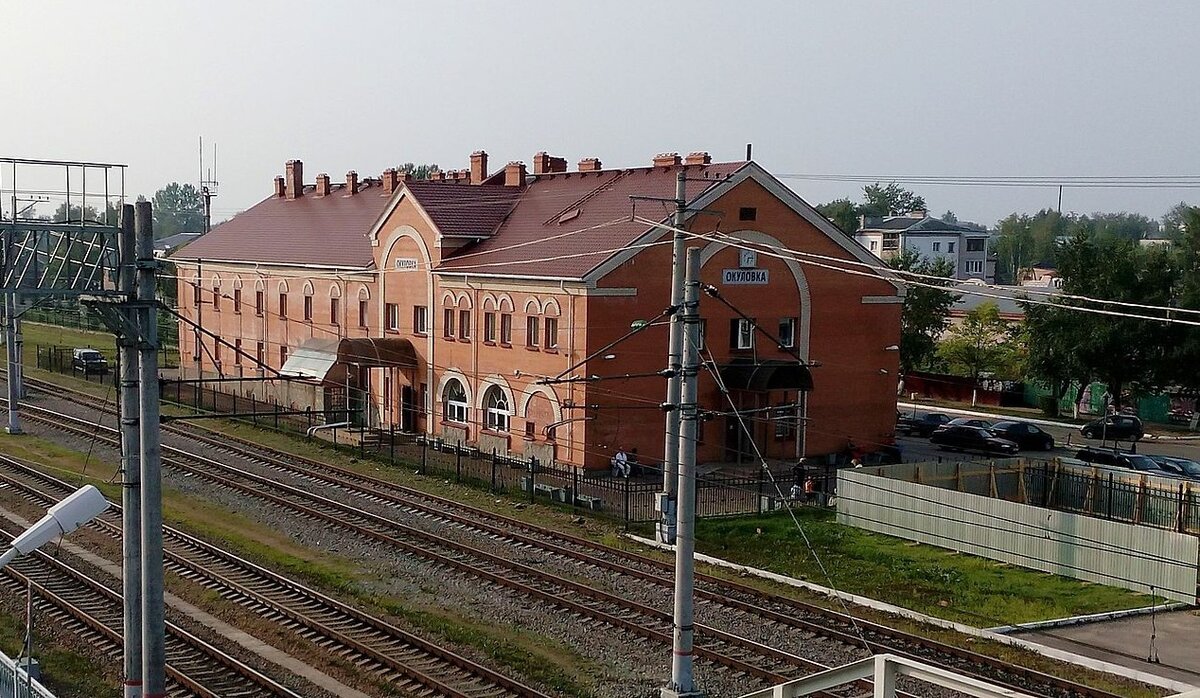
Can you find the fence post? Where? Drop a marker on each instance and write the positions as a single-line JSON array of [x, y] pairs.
[[308, 418], [627, 502], [1182, 511], [532, 473], [1108, 512], [424, 452], [276, 415], [253, 409], [362, 439], [392, 444], [235, 401], [761, 483], [575, 485], [458, 460], [493, 470]]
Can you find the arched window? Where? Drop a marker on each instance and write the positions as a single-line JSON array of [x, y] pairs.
[[454, 399], [496, 411], [308, 302]]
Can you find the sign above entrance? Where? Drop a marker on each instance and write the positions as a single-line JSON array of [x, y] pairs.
[[745, 277], [406, 264]]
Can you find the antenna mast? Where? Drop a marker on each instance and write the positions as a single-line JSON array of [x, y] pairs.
[[208, 184]]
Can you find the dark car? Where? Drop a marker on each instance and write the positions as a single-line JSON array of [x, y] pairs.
[[89, 361], [1120, 459], [1181, 467], [969, 422], [1028, 437], [921, 425], [964, 438], [1115, 427]]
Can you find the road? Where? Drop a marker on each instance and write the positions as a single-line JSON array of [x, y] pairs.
[[915, 449]]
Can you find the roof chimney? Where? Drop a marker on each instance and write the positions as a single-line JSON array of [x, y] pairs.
[[514, 174], [280, 187], [545, 164], [295, 178], [590, 165], [352, 182], [666, 160], [918, 213], [322, 184], [698, 158], [389, 180], [478, 167]]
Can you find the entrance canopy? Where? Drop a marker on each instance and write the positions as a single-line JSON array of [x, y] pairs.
[[317, 357], [769, 374]]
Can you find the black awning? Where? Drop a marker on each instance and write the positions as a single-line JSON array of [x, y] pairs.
[[316, 358], [770, 374]]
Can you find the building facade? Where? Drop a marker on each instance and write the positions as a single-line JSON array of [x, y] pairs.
[[965, 248], [498, 308]]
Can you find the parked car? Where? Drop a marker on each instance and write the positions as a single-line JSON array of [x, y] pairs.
[[1028, 437], [1115, 427], [969, 422], [1182, 467], [964, 438], [89, 361], [1120, 459], [921, 425]]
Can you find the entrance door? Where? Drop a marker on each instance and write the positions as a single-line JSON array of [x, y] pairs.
[[408, 409], [734, 438]]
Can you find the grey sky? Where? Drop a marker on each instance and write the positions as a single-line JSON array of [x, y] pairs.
[[938, 88]]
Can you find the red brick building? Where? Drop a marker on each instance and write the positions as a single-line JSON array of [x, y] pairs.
[[441, 306]]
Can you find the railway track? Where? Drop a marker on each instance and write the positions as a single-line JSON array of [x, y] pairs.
[[406, 662], [764, 663], [72, 599]]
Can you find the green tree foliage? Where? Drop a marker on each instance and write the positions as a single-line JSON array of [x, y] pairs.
[[843, 213], [926, 312], [983, 345], [1026, 240], [1127, 226], [1174, 223], [418, 171], [880, 200], [178, 208], [75, 215]]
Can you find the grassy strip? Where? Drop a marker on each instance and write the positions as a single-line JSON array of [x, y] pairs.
[[66, 673], [924, 578]]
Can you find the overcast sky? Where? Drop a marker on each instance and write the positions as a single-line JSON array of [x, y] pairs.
[[878, 88]]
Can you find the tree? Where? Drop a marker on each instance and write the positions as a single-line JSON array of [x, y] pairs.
[[879, 200], [1174, 223], [178, 208], [1026, 240], [983, 345], [61, 214], [1128, 226], [843, 213], [418, 171], [926, 311]]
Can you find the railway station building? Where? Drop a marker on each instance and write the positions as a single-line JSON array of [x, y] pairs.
[[445, 306]]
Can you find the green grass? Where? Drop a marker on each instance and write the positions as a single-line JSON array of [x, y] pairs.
[[66, 673], [923, 578]]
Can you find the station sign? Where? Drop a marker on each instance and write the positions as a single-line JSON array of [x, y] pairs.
[[745, 277], [406, 264]]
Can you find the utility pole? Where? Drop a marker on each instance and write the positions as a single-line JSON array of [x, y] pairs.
[[682, 683], [14, 361], [668, 499], [153, 630], [131, 492]]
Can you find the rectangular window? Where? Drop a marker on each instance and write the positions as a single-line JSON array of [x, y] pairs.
[[950, 247], [283, 305], [975, 267], [975, 245], [282, 355], [391, 313], [703, 334], [237, 300], [464, 324], [259, 302], [335, 311], [747, 213], [874, 245], [217, 352], [216, 299], [531, 331], [529, 430], [891, 241], [260, 355], [937, 247], [362, 313], [551, 333], [196, 295], [420, 319], [489, 327], [741, 334], [784, 416], [448, 323], [506, 329], [237, 351], [787, 332], [308, 308]]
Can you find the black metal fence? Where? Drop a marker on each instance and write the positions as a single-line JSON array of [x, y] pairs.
[[61, 359], [629, 500]]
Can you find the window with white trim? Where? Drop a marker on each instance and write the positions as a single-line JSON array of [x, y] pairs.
[[787, 332], [551, 327], [464, 324], [489, 327], [420, 319], [532, 328], [448, 323], [975, 266], [455, 402], [497, 415], [506, 328], [741, 334], [391, 312]]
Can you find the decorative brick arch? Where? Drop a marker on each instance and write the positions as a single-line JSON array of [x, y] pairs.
[[551, 308], [454, 373], [282, 286], [504, 303], [546, 392], [537, 306], [462, 300], [500, 382]]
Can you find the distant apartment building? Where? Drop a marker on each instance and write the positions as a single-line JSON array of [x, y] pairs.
[[966, 248]]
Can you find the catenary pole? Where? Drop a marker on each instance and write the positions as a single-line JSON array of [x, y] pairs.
[[10, 344], [153, 647], [682, 682], [131, 492], [668, 500]]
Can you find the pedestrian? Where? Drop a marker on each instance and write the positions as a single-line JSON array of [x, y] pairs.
[[855, 463], [810, 490], [620, 463]]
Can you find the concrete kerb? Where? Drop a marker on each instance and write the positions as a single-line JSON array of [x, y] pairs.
[[1051, 652], [1084, 619], [1031, 420]]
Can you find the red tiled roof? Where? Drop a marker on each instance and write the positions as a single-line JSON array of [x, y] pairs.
[[460, 209], [325, 230], [553, 204]]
